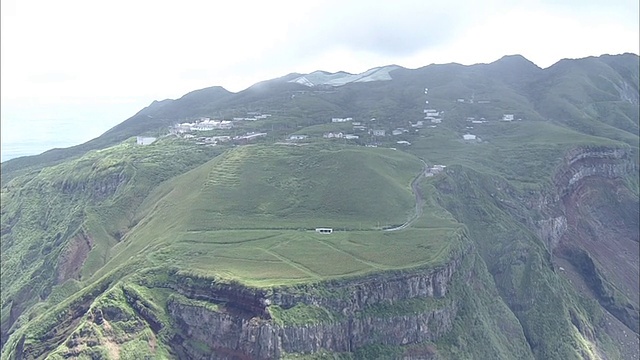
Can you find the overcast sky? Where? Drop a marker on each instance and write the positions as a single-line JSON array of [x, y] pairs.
[[104, 61]]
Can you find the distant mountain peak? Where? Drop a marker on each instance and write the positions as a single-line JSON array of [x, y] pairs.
[[515, 60], [340, 78]]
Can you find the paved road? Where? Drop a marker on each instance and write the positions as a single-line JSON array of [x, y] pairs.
[[419, 200]]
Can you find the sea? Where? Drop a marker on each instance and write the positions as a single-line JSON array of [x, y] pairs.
[[32, 135]]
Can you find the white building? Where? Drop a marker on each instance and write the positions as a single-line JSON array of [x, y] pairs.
[[469, 137], [331, 135], [250, 136], [324, 230], [507, 117], [378, 132], [396, 132], [220, 138], [298, 137], [144, 140]]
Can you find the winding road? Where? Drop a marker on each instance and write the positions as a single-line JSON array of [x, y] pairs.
[[419, 200]]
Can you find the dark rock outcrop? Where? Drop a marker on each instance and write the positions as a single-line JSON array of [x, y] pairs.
[[358, 321]]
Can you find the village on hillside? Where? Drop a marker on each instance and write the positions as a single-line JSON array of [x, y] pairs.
[[254, 126]]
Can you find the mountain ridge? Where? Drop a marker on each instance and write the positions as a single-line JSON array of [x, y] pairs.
[[520, 173], [96, 143]]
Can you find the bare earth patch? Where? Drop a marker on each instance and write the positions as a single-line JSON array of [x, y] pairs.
[[113, 349], [71, 261]]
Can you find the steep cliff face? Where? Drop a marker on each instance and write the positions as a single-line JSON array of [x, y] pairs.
[[528, 237], [232, 336], [340, 316], [591, 229], [598, 214], [578, 165], [584, 162]]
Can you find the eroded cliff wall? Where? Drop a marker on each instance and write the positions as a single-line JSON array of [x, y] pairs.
[[339, 316]]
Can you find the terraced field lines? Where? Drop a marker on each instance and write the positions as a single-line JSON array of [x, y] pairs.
[[225, 172]]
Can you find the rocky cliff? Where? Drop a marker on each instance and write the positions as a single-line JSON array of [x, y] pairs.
[[588, 221], [339, 316], [578, 165]]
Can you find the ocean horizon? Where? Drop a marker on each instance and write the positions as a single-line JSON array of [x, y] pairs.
[[35, 136], [31, 130]]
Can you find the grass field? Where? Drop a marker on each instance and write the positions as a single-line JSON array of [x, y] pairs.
[[250, 215], [279, 257]]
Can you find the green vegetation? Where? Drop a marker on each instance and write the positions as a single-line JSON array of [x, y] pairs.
[[484, 327], [520, 265], [100, 240], [404, 307], [89, 204], [249, 215], [302, 314]]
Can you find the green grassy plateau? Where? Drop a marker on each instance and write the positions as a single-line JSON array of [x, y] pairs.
[[104, 244], [250, 214]]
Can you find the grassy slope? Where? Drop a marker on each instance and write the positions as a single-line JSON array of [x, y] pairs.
[[273, 251], [522, 155], [91, 199], [249, 215]]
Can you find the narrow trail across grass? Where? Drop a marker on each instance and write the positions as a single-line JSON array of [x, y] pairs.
[[294, 264], [356, 258]]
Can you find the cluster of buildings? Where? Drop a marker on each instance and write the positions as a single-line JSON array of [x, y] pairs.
[[339, 120], [472, 100], [472, 120], [215, 140], [431, 115], [434, 170], [358, 130], [207, 124], [357, 127], [203, 124], [252, 116], [339, 135]]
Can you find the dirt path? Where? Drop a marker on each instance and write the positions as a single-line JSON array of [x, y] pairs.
[[294, 264], [419, 200]]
